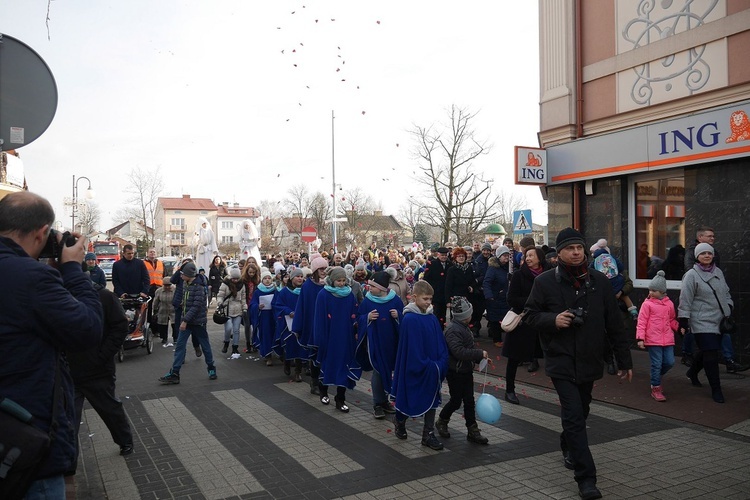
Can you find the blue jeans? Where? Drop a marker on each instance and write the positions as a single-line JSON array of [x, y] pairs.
[[49, 488], [662, 359], [378, 393], [199, 332], [232, 327]]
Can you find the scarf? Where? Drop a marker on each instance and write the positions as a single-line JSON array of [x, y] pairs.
[[536, 272], [462, 267], [708, 269], [381, 300], [337, 291], [295, 291], [577, 273], [264, 288]]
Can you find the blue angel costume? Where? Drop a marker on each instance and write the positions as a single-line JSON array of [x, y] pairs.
[[378, 339], [302, 323], [284, 304], [334, 337], [421, 362], [263, 321]]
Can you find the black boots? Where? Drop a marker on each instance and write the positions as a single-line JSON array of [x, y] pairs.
[[474, 436], [442, 427], [225, 348], [400, 429]]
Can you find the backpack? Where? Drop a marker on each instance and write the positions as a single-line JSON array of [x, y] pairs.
[[607, 265]]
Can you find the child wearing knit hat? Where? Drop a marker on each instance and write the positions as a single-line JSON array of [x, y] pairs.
[[657, 323], [612, 268], [261, 317]]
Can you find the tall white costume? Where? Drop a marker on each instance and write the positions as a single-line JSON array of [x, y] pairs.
[[249, 239], [204, 242]]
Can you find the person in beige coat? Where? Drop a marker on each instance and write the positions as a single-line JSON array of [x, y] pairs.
[[164, 313], [233, 296]]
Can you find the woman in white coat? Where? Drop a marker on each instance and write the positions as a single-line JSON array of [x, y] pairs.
[[204, 242], [249, 239]]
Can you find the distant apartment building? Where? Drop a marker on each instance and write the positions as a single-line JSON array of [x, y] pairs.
[[175, 223]]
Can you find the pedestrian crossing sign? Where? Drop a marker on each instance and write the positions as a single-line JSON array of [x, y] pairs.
[[522, 222]]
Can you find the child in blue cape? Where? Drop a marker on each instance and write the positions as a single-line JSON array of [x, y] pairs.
[[379, 318], [302, 322], [262, 317], [334, 335], [284, 304], [421, 365]]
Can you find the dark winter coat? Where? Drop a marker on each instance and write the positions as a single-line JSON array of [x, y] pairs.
[[194, 307], [98, 276], [46, 311], [215, 277], [576, 353], [130, 276], [495, 288], [99, 361], [461, 351], [435, 274], [458, 282], [177, 281], [480, 265], [523, 342]]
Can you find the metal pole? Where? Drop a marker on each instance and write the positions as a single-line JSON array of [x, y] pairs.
[[73, 208], [333, 184]]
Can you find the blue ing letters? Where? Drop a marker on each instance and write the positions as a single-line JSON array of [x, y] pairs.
[[706, 136]]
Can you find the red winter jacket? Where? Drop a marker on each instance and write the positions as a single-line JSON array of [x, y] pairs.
[[657, 322]]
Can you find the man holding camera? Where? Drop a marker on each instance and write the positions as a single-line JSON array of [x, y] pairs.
[[573, 308], [47, 310]]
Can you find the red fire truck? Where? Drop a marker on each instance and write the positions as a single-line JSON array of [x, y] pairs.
[[106, 251]]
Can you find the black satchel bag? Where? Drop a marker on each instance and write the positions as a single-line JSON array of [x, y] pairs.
[[23, 447], [727, 323], [220, 315]]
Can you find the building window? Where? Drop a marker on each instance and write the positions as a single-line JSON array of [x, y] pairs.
[[177, 238], [204, 212], [178, 211], [227, 225], [658, 235], [227, 239]]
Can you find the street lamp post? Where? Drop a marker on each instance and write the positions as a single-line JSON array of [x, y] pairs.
[[89, 195]]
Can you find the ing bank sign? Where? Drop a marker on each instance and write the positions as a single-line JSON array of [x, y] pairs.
[[713, 135], [531, 166]]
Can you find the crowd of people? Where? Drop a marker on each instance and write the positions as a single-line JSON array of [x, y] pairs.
[[410, 317]]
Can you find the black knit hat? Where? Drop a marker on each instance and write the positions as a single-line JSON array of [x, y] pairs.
[[382, 279], [568, 236]]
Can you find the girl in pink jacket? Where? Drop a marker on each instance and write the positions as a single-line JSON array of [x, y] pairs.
[[656, 326]]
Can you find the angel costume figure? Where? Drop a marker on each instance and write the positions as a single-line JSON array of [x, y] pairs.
[[249, 240], [205, 244]]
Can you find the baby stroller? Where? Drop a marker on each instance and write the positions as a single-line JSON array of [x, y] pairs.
[[136, 308]]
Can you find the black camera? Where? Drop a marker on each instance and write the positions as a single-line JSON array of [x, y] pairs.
[[53, 248], [580, 315]]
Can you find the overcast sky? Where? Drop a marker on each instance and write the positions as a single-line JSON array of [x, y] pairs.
[[207, 94]]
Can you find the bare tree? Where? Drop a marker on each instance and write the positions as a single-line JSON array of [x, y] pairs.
[[270, 211], [89, 218], [298, 202], [320, 212], [445, 161], [410, 216], [145, 187], [357, 207]]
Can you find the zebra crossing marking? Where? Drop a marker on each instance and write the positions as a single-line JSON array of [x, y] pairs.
[[315, 455], [215, 470], [381, 430], [114, 472]]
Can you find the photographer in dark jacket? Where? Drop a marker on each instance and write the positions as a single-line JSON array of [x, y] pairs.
[[93, 373], [575, 312], [47, 310]]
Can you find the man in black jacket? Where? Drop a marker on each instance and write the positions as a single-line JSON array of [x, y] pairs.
[[93, 373], [46, 310], [576, 314], [435, 274]]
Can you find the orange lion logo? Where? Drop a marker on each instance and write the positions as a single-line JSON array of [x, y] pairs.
[[740, 126]]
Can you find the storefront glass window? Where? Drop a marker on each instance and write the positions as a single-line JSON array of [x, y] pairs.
[[659, 226]]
